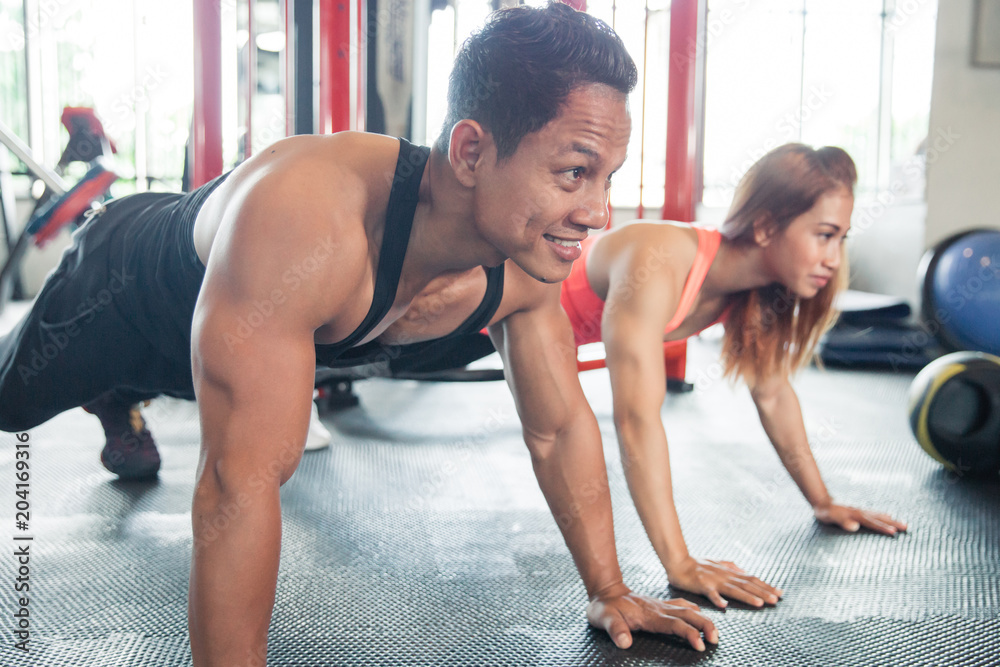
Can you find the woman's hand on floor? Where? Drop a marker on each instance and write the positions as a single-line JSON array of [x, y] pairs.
[[852, 519], [718, 580]]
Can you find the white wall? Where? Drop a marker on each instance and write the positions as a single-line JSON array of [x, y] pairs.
[[963, 150]]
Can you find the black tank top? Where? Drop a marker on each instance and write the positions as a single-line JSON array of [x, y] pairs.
[[398, 221]]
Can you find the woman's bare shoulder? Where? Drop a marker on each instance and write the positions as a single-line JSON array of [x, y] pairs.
[[656, 244]]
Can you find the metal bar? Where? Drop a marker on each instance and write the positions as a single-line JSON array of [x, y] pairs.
[[360, 55], [421, 29], [334, 66], [679, 179], [642, 111], [678, 189], [8, 204], [51, 179], [884, 141], [32, 74], [699, 103], [251, 76], [206, 123], [299, 67]]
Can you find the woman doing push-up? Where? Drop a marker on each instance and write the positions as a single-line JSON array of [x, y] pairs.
[[769, 274]]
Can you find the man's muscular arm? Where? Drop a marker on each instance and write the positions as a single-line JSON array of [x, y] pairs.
[[254, 386], [561, 432]]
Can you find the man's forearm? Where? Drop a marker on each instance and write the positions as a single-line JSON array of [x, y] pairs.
[[572, 476], [234, 571]]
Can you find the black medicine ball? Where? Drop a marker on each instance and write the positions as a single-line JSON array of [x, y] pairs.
[[955, 412]]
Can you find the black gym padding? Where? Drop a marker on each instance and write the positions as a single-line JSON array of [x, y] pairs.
[[875, 331], [420, 538]]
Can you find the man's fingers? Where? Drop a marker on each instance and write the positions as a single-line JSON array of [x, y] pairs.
[[700, 625], [680, 623], [621, 636], [611, 621], [703, 624], [681, 602]]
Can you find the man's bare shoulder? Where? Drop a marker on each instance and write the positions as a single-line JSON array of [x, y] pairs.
[[303, 186], [298, 219], [344, 172]]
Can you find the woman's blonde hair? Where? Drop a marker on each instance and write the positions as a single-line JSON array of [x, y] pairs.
[[769, 329]]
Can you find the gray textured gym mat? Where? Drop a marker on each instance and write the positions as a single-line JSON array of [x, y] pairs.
[[421, 538]]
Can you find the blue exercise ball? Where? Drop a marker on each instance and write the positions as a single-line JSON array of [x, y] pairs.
[[961, 291]]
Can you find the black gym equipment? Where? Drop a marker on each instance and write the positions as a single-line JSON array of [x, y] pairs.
[[955, 412], [440, 360], [875, 331], [449, 359]]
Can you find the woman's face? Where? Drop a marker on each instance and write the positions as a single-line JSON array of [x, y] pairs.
[[805, 256]]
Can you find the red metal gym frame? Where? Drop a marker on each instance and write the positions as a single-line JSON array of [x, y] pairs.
[[679, 186], [679, 183], [335, 50], [360, 110], [680, 194], [206, 121]]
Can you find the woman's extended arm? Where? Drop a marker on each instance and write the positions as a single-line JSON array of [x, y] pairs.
[[634, 320], [781, 417]]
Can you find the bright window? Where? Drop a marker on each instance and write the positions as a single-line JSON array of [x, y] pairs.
[[850, 73]]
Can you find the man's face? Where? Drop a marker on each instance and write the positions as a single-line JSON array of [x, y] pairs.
[[538, 205]]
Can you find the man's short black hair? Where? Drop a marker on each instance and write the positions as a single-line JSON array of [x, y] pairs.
[[514, 75]]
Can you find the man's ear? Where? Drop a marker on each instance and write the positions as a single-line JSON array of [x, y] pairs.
[[764, 230], [465, 150]]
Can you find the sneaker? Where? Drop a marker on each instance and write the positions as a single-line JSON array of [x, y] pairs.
[[130, 451], [317, 437]]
